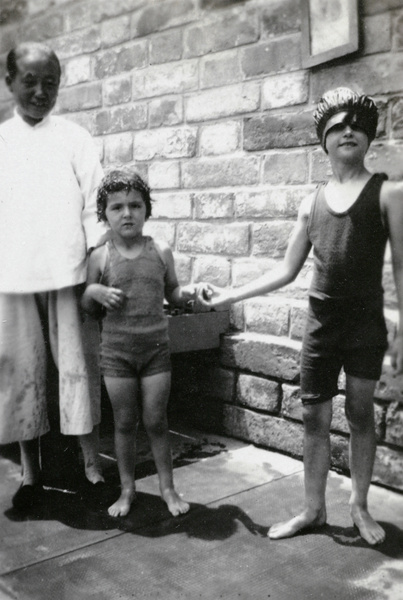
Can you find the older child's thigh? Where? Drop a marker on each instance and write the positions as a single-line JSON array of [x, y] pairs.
[[123, 393], [155, 391]]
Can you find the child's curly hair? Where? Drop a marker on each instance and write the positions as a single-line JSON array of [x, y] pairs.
[[118, 180]]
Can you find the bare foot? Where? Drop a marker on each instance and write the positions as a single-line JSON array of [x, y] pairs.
[[369, 529], [123, 504], [302, 521], [176, 505], [93, 474]]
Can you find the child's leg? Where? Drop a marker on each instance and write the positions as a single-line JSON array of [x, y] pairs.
[[90, 448], [317, 418], [123, 394], [360, 416], [155, 393]]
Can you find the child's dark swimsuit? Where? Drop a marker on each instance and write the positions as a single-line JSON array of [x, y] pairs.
[[345, 326], [135, 337]]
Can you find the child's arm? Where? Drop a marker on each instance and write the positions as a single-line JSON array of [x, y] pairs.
[[174, 293], [392, 204], [96, 293], [295, 257]]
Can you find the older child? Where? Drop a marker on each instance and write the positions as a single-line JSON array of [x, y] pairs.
[[130, 276], [348, 222]]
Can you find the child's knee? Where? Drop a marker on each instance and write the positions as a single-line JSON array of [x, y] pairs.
[[316, 418]]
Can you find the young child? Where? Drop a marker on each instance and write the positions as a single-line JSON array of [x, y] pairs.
[[347, 222], [49, 173], [130, 276]]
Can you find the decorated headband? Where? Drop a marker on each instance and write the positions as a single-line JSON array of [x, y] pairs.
[[342, 105]]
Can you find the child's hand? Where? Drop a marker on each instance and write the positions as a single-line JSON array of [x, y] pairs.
[[111, 298], [214, 297]]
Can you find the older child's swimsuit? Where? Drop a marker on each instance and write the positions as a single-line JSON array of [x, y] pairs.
[[345, 325], [135, 337]]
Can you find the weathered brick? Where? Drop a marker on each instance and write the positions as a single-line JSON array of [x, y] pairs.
[[171, 78], [214, 205], [272, 57], [283, 168], [371, 7], [118, 60], [220, 138], [115, 31], [258, 393], [267, 315], [269, 203], [219, 70], [121, 118], [271, 238], [176, 205], [107, 9], [321, 169], [117, 90], [388, 467], [397, 118], [281, 17], [220, 172], [81, 97], [161, 231], [378, 74], [264, 430], [377, 34], [161, 16], [236, 317], [279, 131], [209, 238], [11, 11], [245, 270], [232, 29], [298, 320], [165, 143], [166, 47], [285, 90], [43, 29], [84, 119], [265, 354], [386, 158], [389, 386], [77, 70], [339, 455], [398, 32], [214, 269], [164, 175], [394, 424], [78, 16], [223, 102], [80, 42], [119, 148], [183, 268], [166, 111]]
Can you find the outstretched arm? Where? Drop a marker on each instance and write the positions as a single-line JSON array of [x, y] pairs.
[[392, 204], [295, 256]]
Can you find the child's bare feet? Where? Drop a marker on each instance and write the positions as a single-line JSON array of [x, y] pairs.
[[302, 521], [176, 505], [123, 504], [369, 529]]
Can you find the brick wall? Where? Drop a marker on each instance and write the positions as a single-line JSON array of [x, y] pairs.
[[209, 100]]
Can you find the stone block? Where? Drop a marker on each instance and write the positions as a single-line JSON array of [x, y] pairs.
[[225, 101], [220, 172], [165, 47], [83, 97], [213, 205], [183, 268], [397, 118], [388, 467], [321, 169], [176, 205], [281, 17], [220, 138], [166, 111], [287, 89], [274, 56], [115, 31], [121, 118], [262, 354], [161, 230], [398, 32], [161, 15], [221, 69], [209, 238], [271, 238], [377, 33], [389, 386], [165, 143], [298, 317], [267, 315], [84, 41], [77, 70], [236, 316], [274, 131], [232, 29], [394, 424], [258, 393], [171, 78], [111, 62], [339, 452], [107, 9], [43, 29], [284, 168], [86, 120], [77, 16], [214, 269], [269, 203], [117, 90], [118, 148], [164, 175]]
